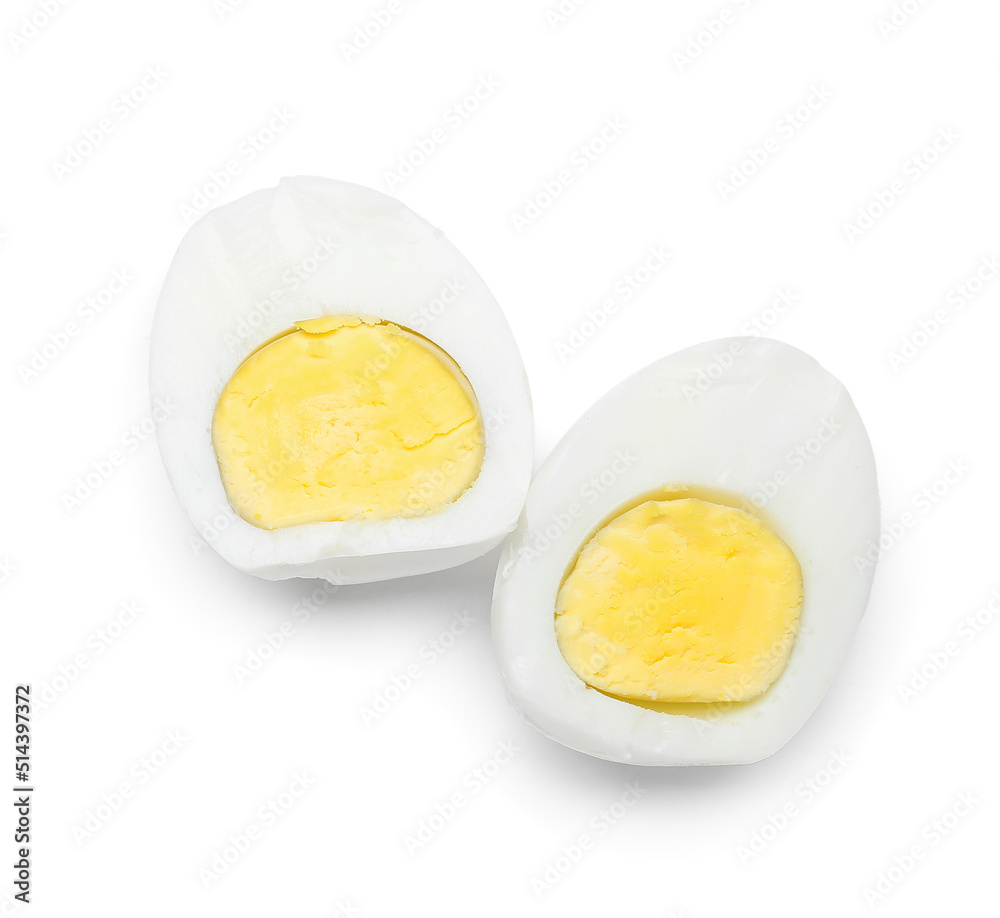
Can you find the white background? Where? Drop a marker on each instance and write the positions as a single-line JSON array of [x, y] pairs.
[[340, 847]]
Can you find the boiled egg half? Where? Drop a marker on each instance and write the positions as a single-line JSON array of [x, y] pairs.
[[346, 398], [693, 559]]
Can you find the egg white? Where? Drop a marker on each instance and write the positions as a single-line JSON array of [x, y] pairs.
[[313, 247], [701, 419]]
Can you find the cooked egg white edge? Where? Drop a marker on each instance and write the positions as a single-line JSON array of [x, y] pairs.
[[383, 261], [732, 436]]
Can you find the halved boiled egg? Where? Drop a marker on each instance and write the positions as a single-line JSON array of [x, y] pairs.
[[347, 400], [692, 560]]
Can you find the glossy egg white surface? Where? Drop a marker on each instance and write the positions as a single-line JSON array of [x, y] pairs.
[[311, 247], [749, 416]]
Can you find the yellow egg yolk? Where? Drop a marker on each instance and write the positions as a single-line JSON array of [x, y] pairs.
[[346, 418], [680, 601]]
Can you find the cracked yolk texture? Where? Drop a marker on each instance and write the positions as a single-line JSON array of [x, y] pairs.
[[680, 601], [346, 418]]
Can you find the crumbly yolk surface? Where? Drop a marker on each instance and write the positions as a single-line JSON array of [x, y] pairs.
[[680, 601], [346, 418]]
